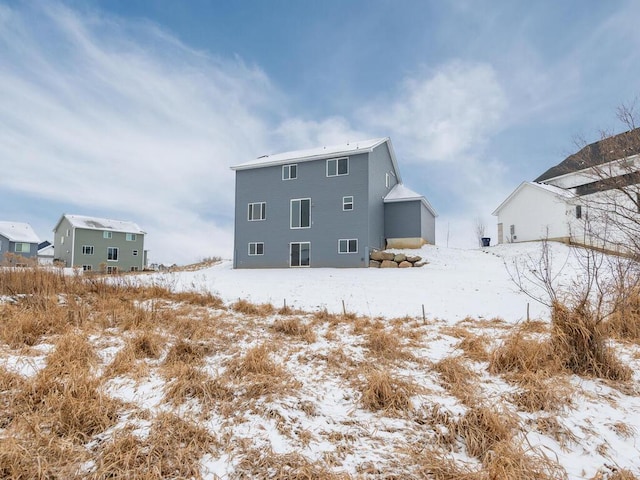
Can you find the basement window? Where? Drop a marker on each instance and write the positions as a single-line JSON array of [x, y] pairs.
[[348, 245]]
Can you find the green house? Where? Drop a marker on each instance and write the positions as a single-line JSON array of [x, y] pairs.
[[99, 244]]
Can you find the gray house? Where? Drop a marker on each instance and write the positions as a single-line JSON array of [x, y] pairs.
[[18, 239], [99, 244], [326, 207]]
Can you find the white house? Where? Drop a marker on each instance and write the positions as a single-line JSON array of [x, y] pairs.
[[584, 199]]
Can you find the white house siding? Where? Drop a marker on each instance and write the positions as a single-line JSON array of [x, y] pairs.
[[535, 214]]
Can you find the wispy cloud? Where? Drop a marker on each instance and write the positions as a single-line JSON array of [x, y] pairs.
[[110, 115]]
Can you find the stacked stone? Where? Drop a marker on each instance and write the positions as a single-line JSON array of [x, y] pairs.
[[379, 259]]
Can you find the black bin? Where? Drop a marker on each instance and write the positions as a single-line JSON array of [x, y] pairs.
[[486, 241]]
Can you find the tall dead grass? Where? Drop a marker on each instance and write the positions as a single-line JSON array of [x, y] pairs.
[[458, 379], [296, 328], [384, 391]]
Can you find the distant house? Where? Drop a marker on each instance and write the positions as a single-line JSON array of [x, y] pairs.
[[558, 203], [45, 253], [326, 207], [99, 244], [17, 240]]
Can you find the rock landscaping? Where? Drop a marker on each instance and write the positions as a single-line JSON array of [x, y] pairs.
[[382, 259]]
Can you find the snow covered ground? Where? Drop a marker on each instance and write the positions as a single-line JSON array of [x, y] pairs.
[[456, 283]]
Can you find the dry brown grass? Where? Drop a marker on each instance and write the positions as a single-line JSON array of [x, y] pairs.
[[385, 345], [256, 463], [173, 449], [538, 393], [581, 342], [475, 347], [185, 352], [483, 428], [523, 355], [437, 465], [191, 383], [383, 391], [248, 308], [458, 379], [510, 461], [295, 327]]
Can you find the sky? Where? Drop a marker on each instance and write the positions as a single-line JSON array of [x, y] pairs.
[[135, 110]]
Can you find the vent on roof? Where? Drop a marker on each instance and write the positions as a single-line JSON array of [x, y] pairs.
[[263, 156]]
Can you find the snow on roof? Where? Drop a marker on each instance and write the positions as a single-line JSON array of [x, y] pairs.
[[312, 154], [560, 192], [46, 251], [18, 232], [95, 223], [402, 193]]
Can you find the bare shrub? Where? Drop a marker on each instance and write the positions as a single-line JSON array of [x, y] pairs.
[[382, 391], [624, 323], [295, 328], [580, 340]]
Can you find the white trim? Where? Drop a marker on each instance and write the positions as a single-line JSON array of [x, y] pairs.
[[256, 249], [337, 160], [117, 249], [263, 211], [348, 240], [344, 203], [87, 247], [299, 266], [288, 168], [291, 227]]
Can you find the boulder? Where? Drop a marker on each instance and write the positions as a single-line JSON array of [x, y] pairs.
[[374, 264], [405, 264], [419, 264], [400, 257], [377, 255], [388, 264], [414, 259]]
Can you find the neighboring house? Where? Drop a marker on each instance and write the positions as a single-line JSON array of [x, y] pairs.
[[45, 253], [556, 205], [99, 244], [17, 239], [326, 207]]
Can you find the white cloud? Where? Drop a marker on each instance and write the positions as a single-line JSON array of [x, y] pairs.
[[114, 116], [443, 115]]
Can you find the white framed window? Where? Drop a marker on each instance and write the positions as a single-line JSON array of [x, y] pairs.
[[578, 211], [300, 254], [68, 232], [348, 245], [106, 234], [62, 240], [290, 172], [22, 247], [300, 213], [87, 249], [338, 166], [112, 269], [134, 253], [257, 211], [112, 254], [131, 237], [347, 203], [256, 248], [87, 268]]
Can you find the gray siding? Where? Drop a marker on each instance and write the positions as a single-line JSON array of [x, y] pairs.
[[7, 246], [379, 166], [329, 222], [409, 219], [68, 248]]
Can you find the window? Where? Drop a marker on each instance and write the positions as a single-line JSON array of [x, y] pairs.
[[337, 166], [107, 234], [134, 269], [300, 254], [112, 254], [87, 249], [347, 203], [301, 213], [112, 269], [68, 232], [256, 248], [289, 172], [134, 253], [578, 211], [87, 268], [257, 211], [512, 229], [131, 237], [22, 247], [61, 240], [349, 245]]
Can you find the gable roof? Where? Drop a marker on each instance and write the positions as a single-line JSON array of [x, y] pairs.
[[402, 193], [320, 153], [18, 232], [551, 189], [95, 223], [606, 150]]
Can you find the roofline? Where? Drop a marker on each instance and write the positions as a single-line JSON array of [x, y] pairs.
[[421, 198], [87, 228], [17, 239], [309, 158], [634, 157], [520, 187]]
